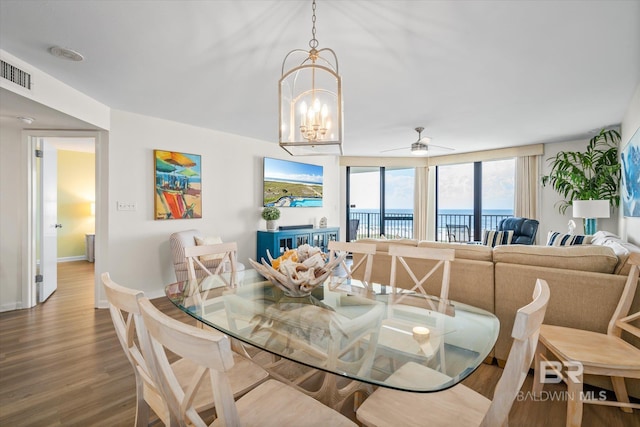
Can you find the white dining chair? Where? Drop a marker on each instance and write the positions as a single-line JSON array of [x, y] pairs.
[[131, 331], [460, 406], [271, 403], [226, 253], [362, 258]]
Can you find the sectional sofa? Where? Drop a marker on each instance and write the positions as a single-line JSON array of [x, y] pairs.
[[586, 283]]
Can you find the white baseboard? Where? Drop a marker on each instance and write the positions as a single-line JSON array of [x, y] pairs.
[[16, 305], [72, 258]]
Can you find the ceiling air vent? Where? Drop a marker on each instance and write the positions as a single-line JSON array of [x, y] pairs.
[[15, 75]]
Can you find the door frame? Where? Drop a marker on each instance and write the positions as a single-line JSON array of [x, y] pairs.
[[29, 259]]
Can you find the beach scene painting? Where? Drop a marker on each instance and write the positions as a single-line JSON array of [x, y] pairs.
[[292, 184], [178, 185], [630, 194]]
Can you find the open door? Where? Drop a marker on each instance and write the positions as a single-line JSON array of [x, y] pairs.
[[48, 224]]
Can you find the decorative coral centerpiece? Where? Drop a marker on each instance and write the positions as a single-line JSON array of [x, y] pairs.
[[298, 271]]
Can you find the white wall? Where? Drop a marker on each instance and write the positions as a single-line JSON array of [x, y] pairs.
[[11, 185], [231, 199], [630, 227], [550, 217]]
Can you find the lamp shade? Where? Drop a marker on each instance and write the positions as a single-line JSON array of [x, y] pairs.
[[591, 209]]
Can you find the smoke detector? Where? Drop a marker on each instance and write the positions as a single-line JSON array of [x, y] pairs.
[[64, 53]]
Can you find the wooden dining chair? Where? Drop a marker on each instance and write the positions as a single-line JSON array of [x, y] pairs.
[[131, 331], [442, 257], [226, 253], [599, 354], [459, 405], [362, 257], [271, 403]]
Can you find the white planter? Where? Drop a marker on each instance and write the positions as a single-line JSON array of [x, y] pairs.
[[272, 225]]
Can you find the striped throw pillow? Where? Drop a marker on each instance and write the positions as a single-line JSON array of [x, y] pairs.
[[558, 239], [493, 238]]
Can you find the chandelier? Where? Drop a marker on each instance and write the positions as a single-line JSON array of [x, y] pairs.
[[310, 98]]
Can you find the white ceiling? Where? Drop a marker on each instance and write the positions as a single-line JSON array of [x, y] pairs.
[[476, 74]]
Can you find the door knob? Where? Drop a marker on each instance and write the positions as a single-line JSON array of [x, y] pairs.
[[58, 226]]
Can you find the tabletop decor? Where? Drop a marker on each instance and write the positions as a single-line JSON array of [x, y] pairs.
[[298, 271]]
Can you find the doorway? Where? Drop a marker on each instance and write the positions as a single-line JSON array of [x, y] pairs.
[[63, 209]]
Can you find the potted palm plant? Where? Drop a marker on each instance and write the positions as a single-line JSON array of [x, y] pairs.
[[271, 214], [590, 175]]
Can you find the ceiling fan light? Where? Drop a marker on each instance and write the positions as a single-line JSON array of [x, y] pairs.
[[419, 149]]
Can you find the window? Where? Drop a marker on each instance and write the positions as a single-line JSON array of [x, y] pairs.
[[380, 200], [473, 197]]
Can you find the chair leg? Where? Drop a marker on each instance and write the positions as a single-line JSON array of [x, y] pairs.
[[541, 351], [142, 407], [621, 392], [574, 402]]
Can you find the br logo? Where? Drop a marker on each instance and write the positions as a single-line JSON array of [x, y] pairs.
[[551, 371]]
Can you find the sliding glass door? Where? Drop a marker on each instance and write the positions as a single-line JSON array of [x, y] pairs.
[[473, 197], [380, 202]]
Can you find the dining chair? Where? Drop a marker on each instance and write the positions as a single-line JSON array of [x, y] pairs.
[[442, 257], [131, 332], [366, 252], [227, 253], [271, 403], [396, 330], [596, 353], [460, 405]]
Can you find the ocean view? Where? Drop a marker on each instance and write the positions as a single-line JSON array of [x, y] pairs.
[[399, 222], [441, 212]]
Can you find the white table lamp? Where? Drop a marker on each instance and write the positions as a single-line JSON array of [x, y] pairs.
[[590, 210]]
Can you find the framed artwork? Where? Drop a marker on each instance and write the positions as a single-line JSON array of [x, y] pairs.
[[630, 192], [178, 185]]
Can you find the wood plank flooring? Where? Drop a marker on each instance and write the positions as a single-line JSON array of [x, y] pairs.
[[61, 365]]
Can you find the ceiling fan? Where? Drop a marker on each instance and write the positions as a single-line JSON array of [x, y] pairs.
[[422, 146]]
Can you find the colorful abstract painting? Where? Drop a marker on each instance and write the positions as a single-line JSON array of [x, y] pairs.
[[178, 185], [630, 193]]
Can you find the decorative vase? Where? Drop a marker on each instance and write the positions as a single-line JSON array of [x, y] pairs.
[[272, 225]]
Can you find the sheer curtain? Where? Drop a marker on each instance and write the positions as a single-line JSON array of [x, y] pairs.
[[420, 203], [527, 180]]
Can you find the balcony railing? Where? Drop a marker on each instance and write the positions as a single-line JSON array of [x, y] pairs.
[[450, 227]]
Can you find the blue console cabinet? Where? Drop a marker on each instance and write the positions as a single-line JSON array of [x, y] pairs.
[[279, 241]]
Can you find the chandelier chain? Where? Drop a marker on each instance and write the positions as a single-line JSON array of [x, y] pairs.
[[313, 43]]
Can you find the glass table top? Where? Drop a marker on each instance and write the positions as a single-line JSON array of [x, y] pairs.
[[365, 334]]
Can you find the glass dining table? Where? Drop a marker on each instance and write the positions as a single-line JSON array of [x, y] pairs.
[[363, 335]]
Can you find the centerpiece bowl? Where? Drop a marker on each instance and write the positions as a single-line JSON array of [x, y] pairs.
[[298, 271]]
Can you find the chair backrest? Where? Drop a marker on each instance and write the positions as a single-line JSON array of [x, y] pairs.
[[367, 250], [222, 252], [443, 257], [128, 323], [524, 229], [209, 350], [525, 332], [620, 321]]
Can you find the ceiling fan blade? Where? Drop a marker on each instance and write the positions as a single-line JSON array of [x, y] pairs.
[[395, 149], [440, 147]]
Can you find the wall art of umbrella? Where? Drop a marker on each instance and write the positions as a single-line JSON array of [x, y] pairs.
[[178, 185]]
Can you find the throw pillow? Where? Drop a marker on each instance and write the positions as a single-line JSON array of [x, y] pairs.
[[493, 238], [558, 239], [203, 241]]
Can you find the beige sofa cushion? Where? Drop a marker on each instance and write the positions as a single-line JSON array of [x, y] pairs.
[[598, 259], [463, 250]]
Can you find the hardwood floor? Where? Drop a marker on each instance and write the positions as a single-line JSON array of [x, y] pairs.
[[61, 365]]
